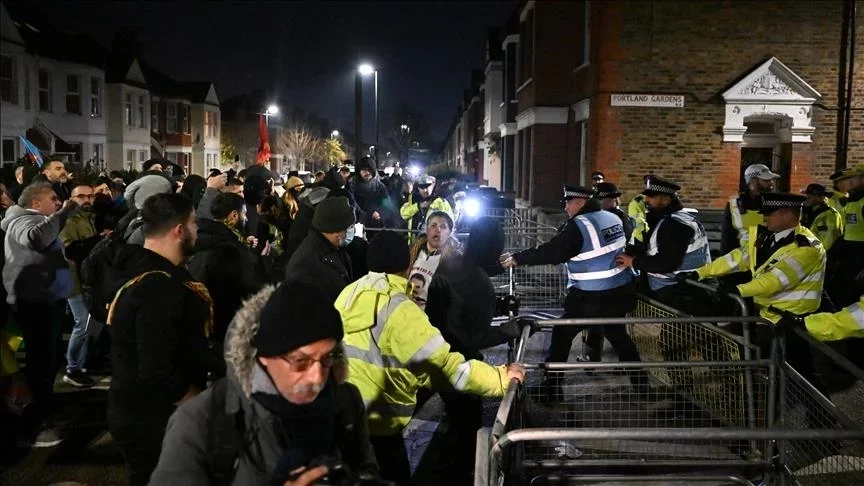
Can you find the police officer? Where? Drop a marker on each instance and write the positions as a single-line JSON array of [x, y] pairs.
[[597, 287], [820, 218], [842, 183], [848, 323], [742, 211], [638, 214], [675, 243], [846, 258], [609, 195], [788, 267]]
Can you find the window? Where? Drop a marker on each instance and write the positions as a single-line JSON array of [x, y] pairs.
[[526, 49], [128, 111], [45, 93], [73, 94], [154, 117], [171, 115], [208, 120], [8, 80], [95, 98], [10, 150], [98, 153], [26, 88], [172, 156], [131, 156], [187, 119], [141, 112], [142, 156]]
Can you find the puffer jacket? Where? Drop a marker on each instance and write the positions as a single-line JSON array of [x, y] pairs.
[[186, 452]]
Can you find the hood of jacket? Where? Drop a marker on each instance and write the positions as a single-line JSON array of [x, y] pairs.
[[213, 233], [363, 297], [15, 212], [485, 244], [240, 356]]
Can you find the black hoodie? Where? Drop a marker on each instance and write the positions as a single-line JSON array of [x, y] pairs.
[[226, 267], [158, 340], [372, 195]]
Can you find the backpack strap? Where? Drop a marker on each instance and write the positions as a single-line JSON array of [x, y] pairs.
[[225, 437], [132, 281]]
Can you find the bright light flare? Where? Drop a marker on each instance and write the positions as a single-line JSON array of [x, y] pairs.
[[365, 69], [472, 207], [414, 171], [272, 110]]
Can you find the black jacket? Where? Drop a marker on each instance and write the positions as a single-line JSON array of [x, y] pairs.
[[318, 263], [673, 237], [226, 267], [158, 340], [566, 244]]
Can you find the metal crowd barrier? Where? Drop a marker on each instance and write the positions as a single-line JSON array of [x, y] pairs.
[[591, 425]]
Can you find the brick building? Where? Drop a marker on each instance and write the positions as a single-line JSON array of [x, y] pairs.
[[693, 91]]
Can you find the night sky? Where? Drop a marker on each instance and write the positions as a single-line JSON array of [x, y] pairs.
[[307, 51]]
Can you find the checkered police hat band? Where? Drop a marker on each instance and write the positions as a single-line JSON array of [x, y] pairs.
[[779, 203], [603, 195], [584, 195], [658, 188]]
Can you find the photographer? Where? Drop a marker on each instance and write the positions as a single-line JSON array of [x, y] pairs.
[[283, 410]]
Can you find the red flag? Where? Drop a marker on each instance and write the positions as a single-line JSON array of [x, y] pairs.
[[263, 141]]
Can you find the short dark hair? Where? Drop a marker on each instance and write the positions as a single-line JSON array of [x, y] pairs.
[[234, 182], [80, 184], [243, 173], [597, 173], [226, 202], [161, 212], [50, 161]]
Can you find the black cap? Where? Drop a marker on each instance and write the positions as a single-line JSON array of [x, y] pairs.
[[296, 314], [772, 201], [388, 253], [816, 190], [573, 192], [606, 190], [655, 186], [333, 215]]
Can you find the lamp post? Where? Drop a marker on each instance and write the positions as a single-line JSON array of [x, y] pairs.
[[364, 70], [271, 110], [334, 134]]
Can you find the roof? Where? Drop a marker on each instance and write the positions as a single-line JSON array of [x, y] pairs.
[[45, 40]]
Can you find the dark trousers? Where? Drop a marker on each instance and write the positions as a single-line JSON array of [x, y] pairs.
[[392, 458], [138, 434], [465, 415], [40, 324], [611, 303]]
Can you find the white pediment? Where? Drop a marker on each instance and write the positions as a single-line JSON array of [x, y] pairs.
[[771, 91], [211, 96], [772, 81], [134, 73]]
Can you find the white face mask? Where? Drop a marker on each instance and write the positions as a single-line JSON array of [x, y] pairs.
[[349, 236]]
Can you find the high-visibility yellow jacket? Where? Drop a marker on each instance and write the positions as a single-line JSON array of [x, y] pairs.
[[791, 279], [853, 215], [743, 221], [638, 213], [393, 350], [837, 200], [828, 326], [827, 225]]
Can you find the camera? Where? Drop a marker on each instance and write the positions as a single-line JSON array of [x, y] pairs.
[[339, 474]]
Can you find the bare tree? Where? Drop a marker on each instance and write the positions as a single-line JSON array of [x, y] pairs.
[[302, 149]]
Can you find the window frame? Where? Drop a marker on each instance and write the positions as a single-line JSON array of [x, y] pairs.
[[95, 97], [171, 122], [12, 80], [73, 96], [47, 90], [128, 118]]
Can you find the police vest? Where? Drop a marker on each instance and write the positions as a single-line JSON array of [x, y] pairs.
[[743, 221], [854, 223], [698, 253], [594, 268]]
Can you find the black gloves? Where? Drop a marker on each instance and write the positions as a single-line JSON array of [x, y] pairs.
[[729, 289], [683, 276], [504, 305], [789, 320]]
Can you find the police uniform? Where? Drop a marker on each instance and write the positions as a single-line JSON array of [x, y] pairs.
[[606, 190], [788, 269], [742, 211], [676, 243], [597, 287], [846, 258], [638, 214], [828, 326], [823, 220]]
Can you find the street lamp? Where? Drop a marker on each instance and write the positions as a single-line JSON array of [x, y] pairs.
[[271, 110], [405, 128], [364, 69], [334, 134]]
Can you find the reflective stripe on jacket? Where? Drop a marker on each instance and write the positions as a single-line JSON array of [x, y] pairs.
[[853, 221], [393, 350], [638, 216], [828, 326], [594, 268], [791, 279], [743, 222], [697, 255]]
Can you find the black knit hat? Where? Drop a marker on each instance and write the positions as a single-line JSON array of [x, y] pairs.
[[165, 163], [388, 253], [333, 215], [297, 314]]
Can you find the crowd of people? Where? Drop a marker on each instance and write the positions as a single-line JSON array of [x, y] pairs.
[[261, 331], [255, 330]]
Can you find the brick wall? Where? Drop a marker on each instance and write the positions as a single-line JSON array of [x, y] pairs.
[[699, 49]]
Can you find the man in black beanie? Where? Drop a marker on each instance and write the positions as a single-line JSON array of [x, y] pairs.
[[384, 328], [321, 259], [284, 402]]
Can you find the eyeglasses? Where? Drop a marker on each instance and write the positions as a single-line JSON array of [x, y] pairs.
[[301, 364]]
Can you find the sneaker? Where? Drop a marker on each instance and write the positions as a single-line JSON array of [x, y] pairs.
[[78, 379], [47, 437]]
